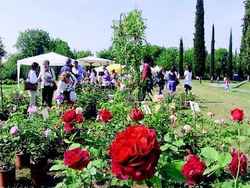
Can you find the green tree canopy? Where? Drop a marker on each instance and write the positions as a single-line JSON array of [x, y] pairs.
[[106, 54], [82, 54], [61, 47], [2, 50], [153, 51], [33, 42], [168, 58], [221, 55]]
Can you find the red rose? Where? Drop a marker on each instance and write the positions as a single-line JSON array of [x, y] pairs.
[[135, 153], [69, 116], [68, 127], [76, 158], [193, 169], [105, 115], [79, 118], [233, 166], [136, 114], [237, 115]]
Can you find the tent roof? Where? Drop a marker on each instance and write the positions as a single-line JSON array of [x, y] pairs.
[[54, 59], [94, 61]]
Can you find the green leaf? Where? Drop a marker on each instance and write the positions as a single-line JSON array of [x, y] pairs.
[[57, 167], [210, 154], [224, 159], [75, 145], [173, 170]]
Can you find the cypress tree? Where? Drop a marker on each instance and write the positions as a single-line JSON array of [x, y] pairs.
[[199, 40], [230, 57], [212, 54], [245, 46], [181, 51]]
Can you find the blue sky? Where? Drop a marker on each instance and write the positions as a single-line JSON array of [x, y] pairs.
[[86, 24]]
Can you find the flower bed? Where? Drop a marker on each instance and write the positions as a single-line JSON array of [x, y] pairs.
[[157, 144]]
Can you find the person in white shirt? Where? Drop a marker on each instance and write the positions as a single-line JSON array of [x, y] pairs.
[[33, 80], [188, 79], [48, 84], [66, 88], [93, 77]]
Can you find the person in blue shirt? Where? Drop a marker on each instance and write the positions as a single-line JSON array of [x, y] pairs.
[[78, 71], [67, 67]]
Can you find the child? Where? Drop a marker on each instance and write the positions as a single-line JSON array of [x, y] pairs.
[[226, 84]]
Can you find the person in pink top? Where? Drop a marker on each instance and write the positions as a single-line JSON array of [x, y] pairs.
[[226, 84]]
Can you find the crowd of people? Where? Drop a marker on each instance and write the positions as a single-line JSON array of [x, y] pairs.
[[164, 79], [72, 75]]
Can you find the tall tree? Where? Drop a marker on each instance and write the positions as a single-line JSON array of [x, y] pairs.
[[199, 40], [2, 54], [230, 57], [127, 44], [33, 42], [181, 51], [245, 41], [168, 58], [212, 58]]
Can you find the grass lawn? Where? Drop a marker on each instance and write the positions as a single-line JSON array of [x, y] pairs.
[[215, 99]]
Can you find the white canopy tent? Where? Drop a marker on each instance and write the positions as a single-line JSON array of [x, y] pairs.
[[54, 59], [94, 61]]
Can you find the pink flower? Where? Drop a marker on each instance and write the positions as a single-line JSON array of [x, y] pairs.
[[32, 109], [14, 130]]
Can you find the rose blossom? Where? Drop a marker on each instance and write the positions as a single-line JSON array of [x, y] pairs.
[[134, 153], [233, 166], [69, 116], [68, 127], [105, 115], [76, 158], [237, 115], [193, 169], [14, 130], [136, 114]]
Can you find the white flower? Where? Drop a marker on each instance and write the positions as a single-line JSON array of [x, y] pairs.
[[187, 128], [47, 133], [79, 110], [210, 114], [45, 113], [14, 130], [173, 119]]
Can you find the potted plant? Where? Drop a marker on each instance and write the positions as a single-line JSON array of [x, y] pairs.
[[37, 147], [7, 169]]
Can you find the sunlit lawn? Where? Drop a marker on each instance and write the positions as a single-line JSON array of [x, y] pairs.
[[220, 102]]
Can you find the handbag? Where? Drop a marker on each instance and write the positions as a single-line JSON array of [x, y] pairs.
[[30, 86], [54, 86]]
